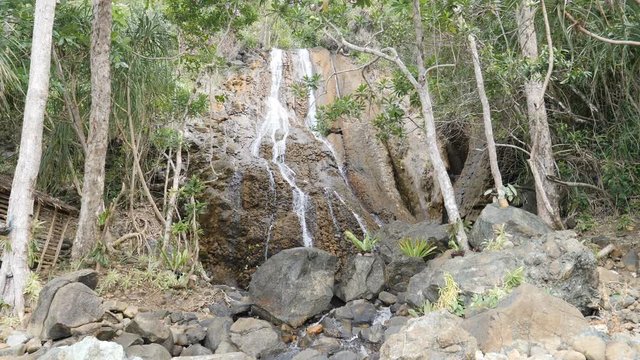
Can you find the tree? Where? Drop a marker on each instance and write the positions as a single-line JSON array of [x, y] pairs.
[[541, 160], [421, 86], [486, 116], [92, 203], [14, 270]]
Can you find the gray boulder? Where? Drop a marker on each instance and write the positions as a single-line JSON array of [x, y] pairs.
[[152, 329], [88, 348], [389, 237], [218, 329], [294, 285], [149, 352], [195, 350], [521, 224], [227, 356], [310, 354], [556, 261], [400, 271], [73, 306], [37, 321], [528, 314], [255, 337], [363, 278], [437, 335]]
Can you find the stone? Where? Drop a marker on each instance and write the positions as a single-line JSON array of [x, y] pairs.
[[152, 329], [387, 298], [314, 329], [391, 234], [529, 314], [195, 350], [227, 356], [358, 311], [309, 354], [521, 224], [373, 334], [73, 305], [593, 347], [394, 325], [255, 337], [88, 348], [48, 292], [149, 352], [16, 338], [362, 278], [217, 331], [344, 355], [400, 271], [556, 261], [617, 350], [294, 285], [569, 355], [128, 339], [338, 328], [130, 311], [229, 301], [326, 345], [226, 347], [33, 345], [13, 351], [630, 260], [437, 335]]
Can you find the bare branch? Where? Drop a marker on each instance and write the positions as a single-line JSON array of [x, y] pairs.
[[547, 30], [583, 30]]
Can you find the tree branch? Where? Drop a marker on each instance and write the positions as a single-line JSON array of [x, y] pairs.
[[547, 30], [583, 30]]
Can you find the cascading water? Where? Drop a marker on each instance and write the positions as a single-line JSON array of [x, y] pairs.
[[276, 125], [305, 68]]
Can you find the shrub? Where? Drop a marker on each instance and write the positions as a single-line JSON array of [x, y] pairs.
[[365, 245], [418, 248]]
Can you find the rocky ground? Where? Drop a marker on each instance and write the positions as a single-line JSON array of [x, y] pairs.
[[300, 306]]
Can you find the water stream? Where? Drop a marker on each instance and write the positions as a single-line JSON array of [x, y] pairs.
[[276, 125]]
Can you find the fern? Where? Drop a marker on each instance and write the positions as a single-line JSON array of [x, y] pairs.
[[416, 248], [367, 244]]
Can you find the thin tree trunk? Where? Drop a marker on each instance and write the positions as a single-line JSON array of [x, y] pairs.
[[92, 203], [488, 129], [14, 271], [541, 161], [446, 187]]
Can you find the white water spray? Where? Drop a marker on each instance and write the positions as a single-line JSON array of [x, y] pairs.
[[276, 125]]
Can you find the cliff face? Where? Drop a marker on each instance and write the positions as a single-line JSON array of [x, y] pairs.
[[273, 183]]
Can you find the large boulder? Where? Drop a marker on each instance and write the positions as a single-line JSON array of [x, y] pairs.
[[217, 331], [528, 314], [255, 337], [37, 321], [556, 261], [399, 272], [521, 224], [151, 327], [148, 352], [363, 278], [390, 235], [72, 306], [88, 348], [437, 335], [294, 285]]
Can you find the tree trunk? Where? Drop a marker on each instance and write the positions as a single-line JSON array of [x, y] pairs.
[[92, 203], [488, 129], [14, 271], [541, 161]]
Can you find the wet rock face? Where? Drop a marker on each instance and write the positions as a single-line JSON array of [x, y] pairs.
[[250, 213]]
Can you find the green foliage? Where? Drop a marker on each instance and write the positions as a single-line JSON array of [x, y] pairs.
[[344, 107], [423, 309], [419, 248], [499, 241], [625, 223], [33, 287], [585, 222], [492, 297], [367, 244], [33, 253], [99, 254], [176, 261]]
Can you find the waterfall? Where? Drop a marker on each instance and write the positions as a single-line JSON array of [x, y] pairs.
[[305, 68], [276, 125]]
